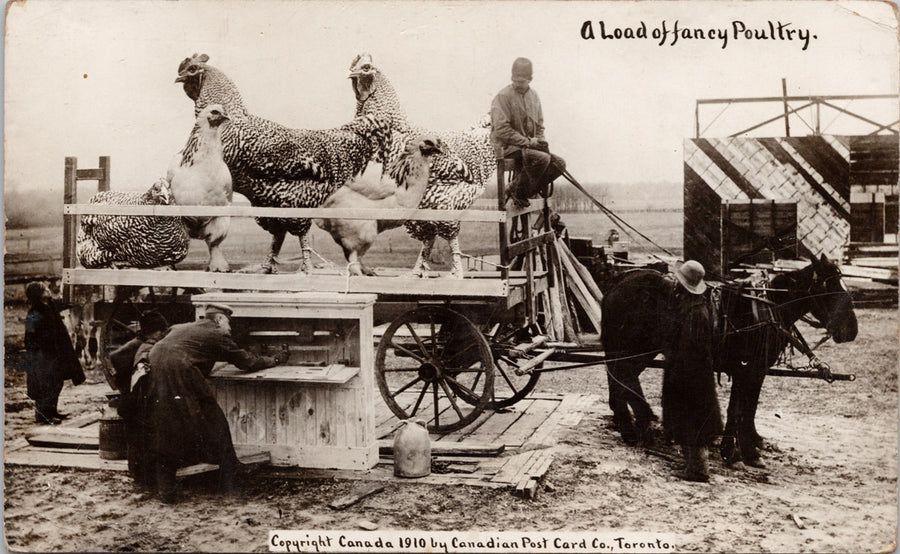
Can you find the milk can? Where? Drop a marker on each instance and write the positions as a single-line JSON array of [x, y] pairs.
[[412, 449], [112, 435]]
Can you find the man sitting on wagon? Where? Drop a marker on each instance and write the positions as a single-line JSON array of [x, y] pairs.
[[186, 424], [517, 132]]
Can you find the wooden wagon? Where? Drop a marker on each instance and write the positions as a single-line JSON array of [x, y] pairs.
[[449, 348]]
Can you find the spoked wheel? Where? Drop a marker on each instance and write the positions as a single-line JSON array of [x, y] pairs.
[[509, 388], [120, 323], [434, 363]]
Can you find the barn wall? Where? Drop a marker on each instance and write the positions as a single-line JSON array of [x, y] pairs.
[[812, 171]]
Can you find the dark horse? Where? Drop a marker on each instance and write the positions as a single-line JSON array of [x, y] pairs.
[[752, 333]]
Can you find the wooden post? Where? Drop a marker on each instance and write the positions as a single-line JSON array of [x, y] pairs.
[[787, 125], [70, 222], [103, 182], [818, 117], [697, 119], [501, 205]]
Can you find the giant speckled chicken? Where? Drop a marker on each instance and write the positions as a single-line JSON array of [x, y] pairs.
[[424, 161], [143, 242], [274, 166], [376, 95], [204, 179]]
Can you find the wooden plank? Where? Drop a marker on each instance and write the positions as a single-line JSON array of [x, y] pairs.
[[355, 495], [82, 420], [89, 174], [529, 244], [583, 273], [330, 374], [406, 286], [524, 427], [513, 467], [399, 213], [462, 434], [15, 444], [245, 458], [385, 473], [492, 430], [542, 435], [63, 458], [74, 438], [386, 448]]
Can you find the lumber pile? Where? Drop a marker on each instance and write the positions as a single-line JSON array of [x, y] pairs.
[[573, 299]]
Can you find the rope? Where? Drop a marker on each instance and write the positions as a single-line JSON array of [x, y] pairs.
[[501, 266], [609, 213]]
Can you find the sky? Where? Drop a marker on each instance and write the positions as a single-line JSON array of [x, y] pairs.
[[88, 78]]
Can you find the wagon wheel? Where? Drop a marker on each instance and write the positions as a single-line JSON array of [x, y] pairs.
[[509, 388], [122, 323], [434, 362]]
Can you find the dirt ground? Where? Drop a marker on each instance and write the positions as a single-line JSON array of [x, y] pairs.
[[831, 450]]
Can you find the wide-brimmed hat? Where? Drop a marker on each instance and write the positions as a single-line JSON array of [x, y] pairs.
[[690, 274], [218, 308]]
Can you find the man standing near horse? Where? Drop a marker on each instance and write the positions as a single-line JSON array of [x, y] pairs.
[[691, 413]]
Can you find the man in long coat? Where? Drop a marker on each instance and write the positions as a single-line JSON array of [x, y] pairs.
[[690, 406], [187, 426]]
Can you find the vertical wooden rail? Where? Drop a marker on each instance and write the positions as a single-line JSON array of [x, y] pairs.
[[501, 205], [103, 181], [70, 196], [787, 125], [70, 222]]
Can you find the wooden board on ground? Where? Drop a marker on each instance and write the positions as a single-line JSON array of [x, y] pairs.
[[516, 457]]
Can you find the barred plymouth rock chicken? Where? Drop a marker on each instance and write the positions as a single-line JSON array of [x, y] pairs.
[[376, 95], [425, 160], [132, 241], [203, 179], [274, 166]]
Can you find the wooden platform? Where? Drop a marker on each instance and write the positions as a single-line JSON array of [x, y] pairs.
[[509, 449]]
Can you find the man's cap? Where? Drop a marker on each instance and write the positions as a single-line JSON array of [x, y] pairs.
[[521, 68], [217, 308], [690, 274], [151, 322]]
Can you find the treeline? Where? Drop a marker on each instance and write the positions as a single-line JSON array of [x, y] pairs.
[[567, 198]]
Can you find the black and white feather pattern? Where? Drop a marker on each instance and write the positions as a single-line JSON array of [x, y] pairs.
[[131, 241], [274, 166]]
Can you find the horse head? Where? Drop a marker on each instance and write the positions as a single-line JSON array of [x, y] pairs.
[[818, 289], [832, 304]]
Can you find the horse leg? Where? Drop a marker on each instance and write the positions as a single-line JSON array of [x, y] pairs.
[[624, 392], [634, 395], [746, 432], [753, 436], [728, 448]]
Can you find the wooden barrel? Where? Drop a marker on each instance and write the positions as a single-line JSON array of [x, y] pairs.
[[112, 436]]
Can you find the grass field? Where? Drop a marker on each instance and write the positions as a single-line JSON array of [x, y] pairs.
[[38, 250]]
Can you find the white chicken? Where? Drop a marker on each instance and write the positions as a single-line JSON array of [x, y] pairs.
[[203, 179]]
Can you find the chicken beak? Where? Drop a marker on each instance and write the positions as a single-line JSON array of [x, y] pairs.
[[180, 79]]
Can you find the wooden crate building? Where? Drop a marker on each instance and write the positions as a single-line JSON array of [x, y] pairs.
[[750, 198]]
